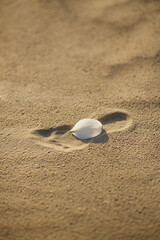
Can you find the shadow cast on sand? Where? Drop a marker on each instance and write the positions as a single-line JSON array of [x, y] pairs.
[[113, 118], [102, 138], [61, 139], [48, 132]]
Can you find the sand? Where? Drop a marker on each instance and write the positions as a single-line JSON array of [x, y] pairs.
[[62, 61]]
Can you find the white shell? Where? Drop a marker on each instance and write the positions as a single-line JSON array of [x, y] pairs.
[[87, 128]]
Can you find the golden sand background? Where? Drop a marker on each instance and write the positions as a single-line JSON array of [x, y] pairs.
[[61, 61]]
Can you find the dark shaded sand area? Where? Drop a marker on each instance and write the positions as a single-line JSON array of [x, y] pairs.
[[62, 61]]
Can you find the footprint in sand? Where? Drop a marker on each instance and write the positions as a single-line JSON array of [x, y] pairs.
[[60, 139]]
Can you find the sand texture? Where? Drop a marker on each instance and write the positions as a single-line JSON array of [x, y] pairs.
[[62, 61]]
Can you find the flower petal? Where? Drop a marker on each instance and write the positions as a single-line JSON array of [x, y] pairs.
[[87, 128]]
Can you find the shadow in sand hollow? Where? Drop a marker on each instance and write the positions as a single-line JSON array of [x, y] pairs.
[[102, 138], [61, 139], [48, 131], [113, 118]]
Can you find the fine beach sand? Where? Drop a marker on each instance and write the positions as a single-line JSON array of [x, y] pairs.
[[62, 61]]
